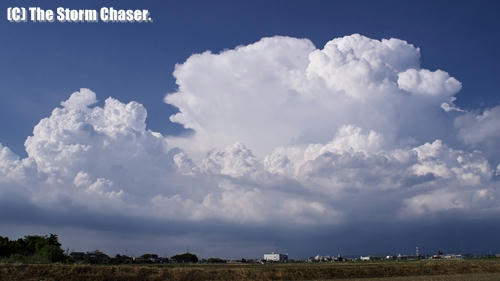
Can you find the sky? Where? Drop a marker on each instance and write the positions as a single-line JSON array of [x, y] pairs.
[[234, 128]]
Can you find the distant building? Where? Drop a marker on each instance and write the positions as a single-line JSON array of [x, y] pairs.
[[319, 258], [276, 257], [148, 258], [78, 256], [453, 256], [338, 258], [370, 258], [97, 257], [122, 259]]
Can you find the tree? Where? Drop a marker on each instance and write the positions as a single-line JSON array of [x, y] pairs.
[[185, 258], [33, 249], [216, 260], [148, 258], [6, 247]]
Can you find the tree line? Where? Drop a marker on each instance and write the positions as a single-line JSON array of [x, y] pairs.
[[47, 249], [32, 249]]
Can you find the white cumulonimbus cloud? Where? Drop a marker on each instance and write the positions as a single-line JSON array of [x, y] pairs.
[[476, 129], [282, 132], [282, 91]]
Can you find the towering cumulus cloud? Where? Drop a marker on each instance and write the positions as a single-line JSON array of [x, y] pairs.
[[283, 134], [282, 91]]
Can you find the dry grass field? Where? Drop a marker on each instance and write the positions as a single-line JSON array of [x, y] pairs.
[[397, 271]]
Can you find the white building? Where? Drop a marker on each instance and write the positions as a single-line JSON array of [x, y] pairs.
[[276, 257], [370, 258]]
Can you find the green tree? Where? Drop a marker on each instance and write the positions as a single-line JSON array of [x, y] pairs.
[[185, 258], [33, 249], [6, 247], [216, 260]]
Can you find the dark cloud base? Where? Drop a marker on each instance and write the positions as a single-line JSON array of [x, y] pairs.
[[119, 234]]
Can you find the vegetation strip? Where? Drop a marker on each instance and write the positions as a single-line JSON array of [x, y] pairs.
[[301, 271]]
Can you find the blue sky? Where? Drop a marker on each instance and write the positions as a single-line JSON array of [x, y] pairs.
[[42, 63], [354, 140]]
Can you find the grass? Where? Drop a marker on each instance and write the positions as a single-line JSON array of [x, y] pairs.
[[416, 270]]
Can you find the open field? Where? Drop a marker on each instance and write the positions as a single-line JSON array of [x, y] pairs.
[[397, 271]]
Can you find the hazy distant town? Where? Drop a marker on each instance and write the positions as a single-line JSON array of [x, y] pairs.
[[98, 257]]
